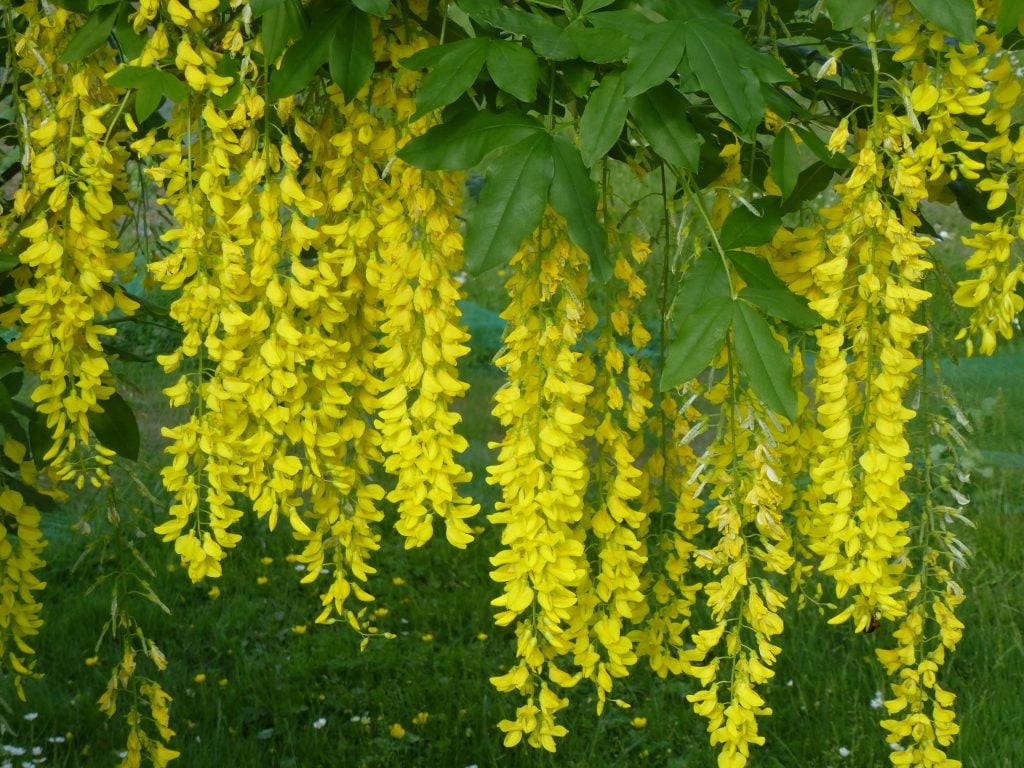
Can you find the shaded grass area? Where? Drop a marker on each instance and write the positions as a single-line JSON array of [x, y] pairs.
[[256, 683]]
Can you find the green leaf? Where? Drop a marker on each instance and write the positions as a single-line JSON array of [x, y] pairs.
[[151, 85], [91, 35], [547, 37], [574, 196], [706, 279], [172, 87], [953, 16], [784, 305], [260, 7], [6, 404], [785, 162], [691, 9], [134, 77], [75, 6], [654, 58], [846, 13], [479, 7], [304, 58], [814, 143], [128, 40], [812, 181], [745, 229], [602, 119], [1010, 14], [734, 90], [147, 100], [660, 114], [461, 18], [424, 58], [40, 439], [589, 6], [9, 362], [373, 7], [282, 23], [630, 23], [578, 76], [350, 59], [116, 427], [699, 337], [14, 381], [511, 203], [453, 75], [764, 361], [601, 46], [514, 69], [766, 290], [465, 142], [8, 261]]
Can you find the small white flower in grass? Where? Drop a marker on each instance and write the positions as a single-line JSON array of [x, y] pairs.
[[37, 751], [879, 701], [895, 747], [56, 739], [319, 723], [30, 716], [11, 749], [844, 752], [300, 567]]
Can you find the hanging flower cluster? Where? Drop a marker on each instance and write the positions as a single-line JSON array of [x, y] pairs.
[[320, 318], [744, 471], [72, 263], [21, 546], [543, 473], [948, 84]]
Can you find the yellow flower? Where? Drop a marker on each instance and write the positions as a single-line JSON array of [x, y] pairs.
[[396, 731]]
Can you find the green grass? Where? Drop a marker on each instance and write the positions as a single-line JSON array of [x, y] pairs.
[[266, 685]]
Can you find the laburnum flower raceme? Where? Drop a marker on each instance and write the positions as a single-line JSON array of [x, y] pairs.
[[316, 276]]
